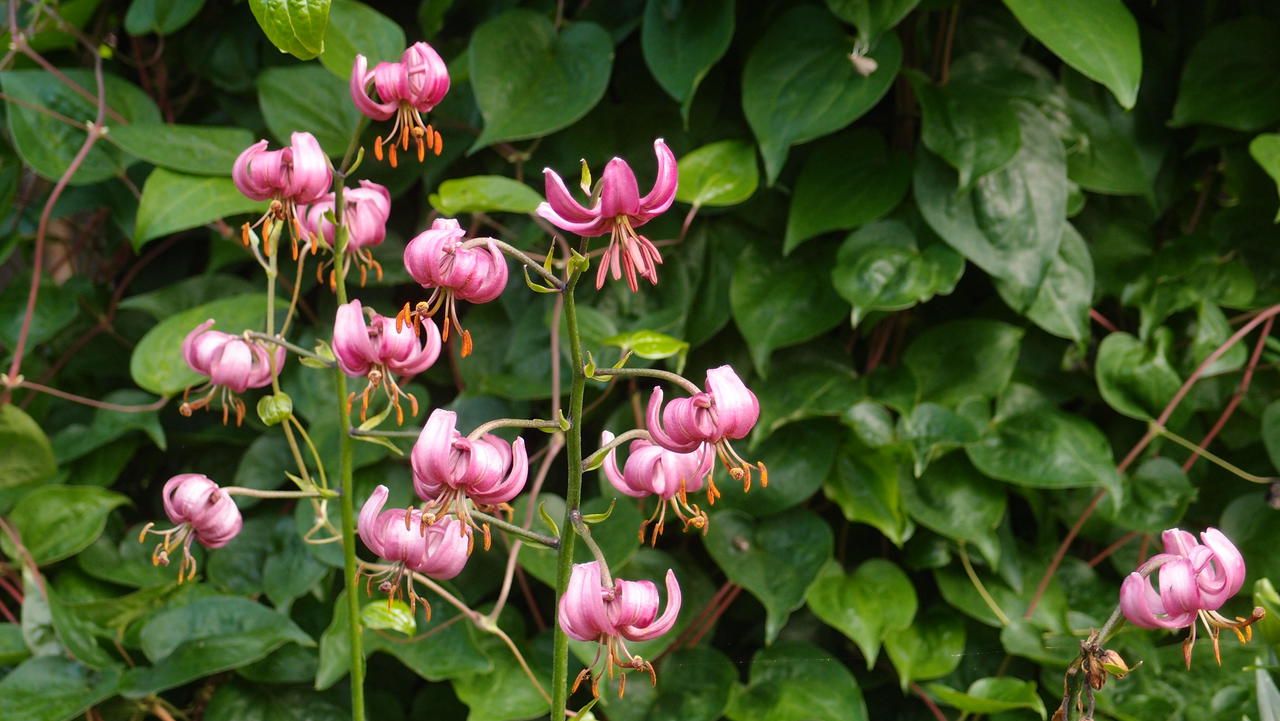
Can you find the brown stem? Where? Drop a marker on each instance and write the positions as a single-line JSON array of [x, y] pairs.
[[933, 707], [1106, 552], [1236, 397], [1101, 320], [40, 388]]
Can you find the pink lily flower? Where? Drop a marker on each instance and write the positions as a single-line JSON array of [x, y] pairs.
[[232, 364], [726, 410], [1195, 580], [449, 468], [412, 541], [592, 610], [438, 258], [380, 351], [618, 210], [294, 175], [405, 89], [201, 511], [368, 208], [652, 470]]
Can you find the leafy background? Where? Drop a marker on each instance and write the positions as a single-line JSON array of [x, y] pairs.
[[962, 286]]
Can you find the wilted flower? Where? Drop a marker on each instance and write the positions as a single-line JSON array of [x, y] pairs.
[[593, 610], [1195, 580], [652, 470], [436, 547], [201, 511], [232, 364], [438, 258], [449, 468], [405, 89], [618, 209], [726, 410], [380, 352], [294, 175], [366, 213]]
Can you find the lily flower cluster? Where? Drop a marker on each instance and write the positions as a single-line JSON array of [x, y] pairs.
[[232, 364], [1195, 580], [294, 175], [380, 350], [406, 89], [200, 511], [367, 209]]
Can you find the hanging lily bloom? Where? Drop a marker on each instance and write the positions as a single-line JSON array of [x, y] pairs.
[[406, 89], [1195, 580], [366, 213], [612, 613], [449, 468], [201, 511], [438, 258], [726, 410], [379, 351], [617, 209], [292, 176], [232, 364], [652, 470], [412, 542]]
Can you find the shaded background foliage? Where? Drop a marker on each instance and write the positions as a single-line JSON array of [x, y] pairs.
[[963, 284]]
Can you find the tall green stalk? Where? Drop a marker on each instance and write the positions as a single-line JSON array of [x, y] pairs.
[[344, 474], [573, 496]]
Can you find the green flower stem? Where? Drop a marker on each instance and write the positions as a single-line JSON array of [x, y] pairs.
[[582, 529], [979, 587], [573, 496], [256, 493], [520, 256], [355, 632], [315, 455], [1212, 458], [511, 423], [679, 380], [592, 461], [513, 529], [384, 434], [265, 338]]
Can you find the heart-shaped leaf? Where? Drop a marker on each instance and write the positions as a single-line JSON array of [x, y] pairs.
[[863, 605], [719, 174], [929, 648], [797, 680], [296, 27], [530, 80], [1097, 37], [177, 201], [682, 40], [775, 559]]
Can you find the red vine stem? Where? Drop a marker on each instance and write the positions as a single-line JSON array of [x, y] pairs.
[[1147, 437], [933, 707], [37, 259], [1106, 552], [1101, 320], [157, 405], [1236, 397]]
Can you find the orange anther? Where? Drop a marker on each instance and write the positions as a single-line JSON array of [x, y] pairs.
[[244, 234], [404, 136], [377, 148], [422, 150], [392, 154], [439, 143], [466, 343]]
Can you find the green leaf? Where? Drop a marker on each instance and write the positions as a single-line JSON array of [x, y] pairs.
[[484, 194], [932, 430], [650, 344], [872, 17], [681, 41], [815, 385], [357, 29], [1229, 78], [157, 364], [176, 201], [127, 562], [971, 127], [992, 695], [55, 522], [799, 456], [1134, 378], [1042, 447], [13, 649], [205, 637], [78, 440], [1061, 303], [1271, 432], [876, 598], [296, 27], [719, 174], [930, 647], [161, 17], [1268, 694], [795, 680], [25, 453], [775, 559], [1265, 149], [1155, 498], [187, 293], [617, 538], [865, 484], [1113, 152], [48, 145], [239, 701], [694, 686], [504, 693], [954, 500], [848, 181], [53, 688], [1010, 222], [199, 149], [880, 268], [394, 615], [799, 84], [530, 80], [962, 359], [290, 570], [306, 97], [776, 303], [1097, 37]]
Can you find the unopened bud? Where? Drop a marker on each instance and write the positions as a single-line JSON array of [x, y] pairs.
[[863, 65], [1113, 664]]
